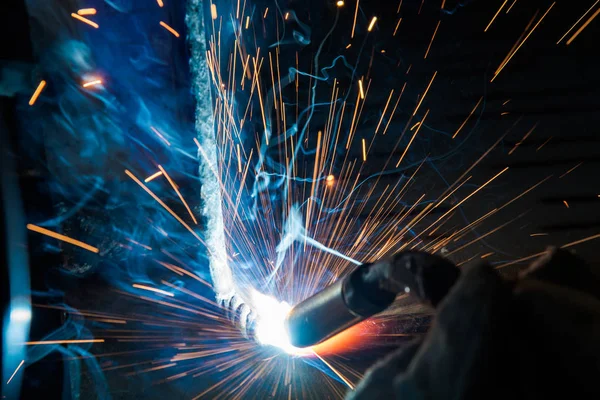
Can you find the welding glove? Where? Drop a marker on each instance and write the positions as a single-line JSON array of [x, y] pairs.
[[534, 337]]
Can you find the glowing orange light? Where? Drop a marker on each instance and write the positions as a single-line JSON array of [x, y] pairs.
[[361, 90], [87, 11], [213, 11], [424, 94], [330, 178], [372, 24], [351, 339], [174, 186], [153, 176], [495, 15], [364, 149], [160, 3], [64, 238], [92, 83], [37, 92], [340, 3], [583, 27], [167, 27], [85, 20]]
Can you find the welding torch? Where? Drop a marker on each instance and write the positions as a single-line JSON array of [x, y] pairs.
[[369, 290]]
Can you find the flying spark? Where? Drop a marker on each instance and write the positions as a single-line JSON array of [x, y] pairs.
[[95, 82], [167, 27], [372, 24], [85, 20], [15, 373], [87, 11], [63, 238], [37, 92]]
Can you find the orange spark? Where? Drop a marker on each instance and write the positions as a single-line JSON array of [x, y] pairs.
[[266, 12], [486, 255], [397, 25], [579, 20], [349, 46], [372, 24], [153, 176], [155, 197], [213, 11], [424, 94], [520, 142], [85, 20], [495, 15], [92, 83], [160, 291], [330, 178], [167, 27], [364, 149], [566, 204], [361, 90], [354, 23], [16, 370], [413, 138], [340, 3], [75, 341], [37, 92], [543, 144], [583, 27], [538, 234], [571, 170], [501, 67], [346, 381], [174, 186], [64, 238], [511, 6], [247, 21], [160, 3], [384, 110], [469, 116], [87, 11], [287, 15], [433, 37]]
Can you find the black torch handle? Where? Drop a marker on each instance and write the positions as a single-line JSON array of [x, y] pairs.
[[369, 290]]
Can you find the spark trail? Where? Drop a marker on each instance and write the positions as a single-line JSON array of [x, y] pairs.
[[295, 191]]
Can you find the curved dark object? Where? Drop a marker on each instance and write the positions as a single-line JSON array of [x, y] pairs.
[[369, 290]]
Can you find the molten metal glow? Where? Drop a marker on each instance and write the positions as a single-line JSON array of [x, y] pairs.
[[270, 323], [270, 330]]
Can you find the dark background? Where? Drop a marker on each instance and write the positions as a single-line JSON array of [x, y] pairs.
[[553, 86]]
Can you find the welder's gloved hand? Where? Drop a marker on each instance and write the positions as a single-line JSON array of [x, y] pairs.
[[536, 337]]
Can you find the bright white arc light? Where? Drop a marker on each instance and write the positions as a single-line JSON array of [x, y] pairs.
[[20, 314], [270, 323]]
